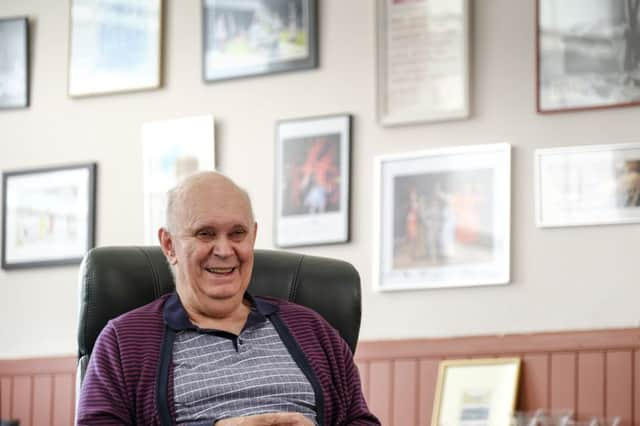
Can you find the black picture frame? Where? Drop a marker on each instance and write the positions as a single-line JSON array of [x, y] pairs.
[[243, 39], [313, 181], [14, 73], [48, 216]]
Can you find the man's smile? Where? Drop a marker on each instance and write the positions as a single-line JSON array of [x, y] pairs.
[[220, 271]]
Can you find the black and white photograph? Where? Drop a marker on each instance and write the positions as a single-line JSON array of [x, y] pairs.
[[312, 180], [588, 54], [443, 218], [14, 63], [245, 38]]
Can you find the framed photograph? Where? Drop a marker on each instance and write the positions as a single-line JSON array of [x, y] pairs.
[[423, 60], [587, 185], [588, 54], [14, 63], [48, 216], [172, 150], [312, 181], [246, 38], [472, 392], [442, 218], [115, 46]]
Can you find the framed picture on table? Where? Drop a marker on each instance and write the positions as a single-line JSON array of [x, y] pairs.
[[14, 63], [248, 38], [48, 216], [312, 181], [588, 54], [115, 46], [476, 392], [422, 61], [442, 218], [587, 185]]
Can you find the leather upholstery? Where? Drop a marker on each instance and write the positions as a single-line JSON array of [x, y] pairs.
[[114, 280]]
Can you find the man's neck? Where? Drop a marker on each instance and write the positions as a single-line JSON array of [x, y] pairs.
[[231, 322]]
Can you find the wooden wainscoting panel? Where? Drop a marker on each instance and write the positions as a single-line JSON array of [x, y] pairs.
[[534, 380], [381, 390], [405, 392], [21, 399], [591, 384], [63, 398], [428, 379], [363, 369], [562, 386], [5, 397], [42, 400], [619, 386]]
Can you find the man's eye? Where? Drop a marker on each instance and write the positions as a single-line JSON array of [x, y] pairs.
[[238, 232], [204, 234]]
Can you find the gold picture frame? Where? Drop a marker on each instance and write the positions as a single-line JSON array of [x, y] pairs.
[[476, 391]]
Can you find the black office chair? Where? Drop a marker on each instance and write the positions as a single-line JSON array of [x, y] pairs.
[[114, 280]]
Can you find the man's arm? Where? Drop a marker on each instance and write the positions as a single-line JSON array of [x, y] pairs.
[[103, 396]]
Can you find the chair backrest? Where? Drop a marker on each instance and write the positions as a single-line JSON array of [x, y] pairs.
[[114, 280]]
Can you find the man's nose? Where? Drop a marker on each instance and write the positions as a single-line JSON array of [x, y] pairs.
[[222, 247]]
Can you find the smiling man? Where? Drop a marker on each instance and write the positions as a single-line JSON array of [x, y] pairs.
[[211, 353]]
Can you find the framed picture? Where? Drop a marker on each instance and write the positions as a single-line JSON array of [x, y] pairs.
[[423, 60], [473, 392], [48, 216], [172, 150], [14, 63], [442, 218], [587, 185], [588, 54], [114, 46], [245, 38], [312, 181]]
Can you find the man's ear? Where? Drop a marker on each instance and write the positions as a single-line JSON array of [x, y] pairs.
[[167, 246]]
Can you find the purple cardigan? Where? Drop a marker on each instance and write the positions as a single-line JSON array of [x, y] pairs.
[[122, 383]]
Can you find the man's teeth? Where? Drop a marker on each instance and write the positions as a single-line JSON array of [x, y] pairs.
[[219, 270]]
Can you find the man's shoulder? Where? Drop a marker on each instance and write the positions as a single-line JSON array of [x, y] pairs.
[[142, 316], [295, 314]]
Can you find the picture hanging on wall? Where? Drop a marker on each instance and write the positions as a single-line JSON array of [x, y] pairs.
[[423, 61], [443, 218], [172, 150], [587, 185], [14, 63], [48, 216], [115, 46], [312, 181], [588, 54], [246, 38], [476, 391]]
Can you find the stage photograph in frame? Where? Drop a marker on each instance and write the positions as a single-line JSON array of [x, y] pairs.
[[476, 391], [312, 181], [248, 38], [114, 46], [588, 54], [443, 218], [48, 216], [172, 150], [587, 185], [422, 61], [14, 63]]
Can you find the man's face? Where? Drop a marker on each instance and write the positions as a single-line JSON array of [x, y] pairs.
[[212, 245]]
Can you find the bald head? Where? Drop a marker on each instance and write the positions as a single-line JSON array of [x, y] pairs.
[[183, 195]]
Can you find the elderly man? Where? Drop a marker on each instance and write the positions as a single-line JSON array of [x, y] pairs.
[[211, 353]]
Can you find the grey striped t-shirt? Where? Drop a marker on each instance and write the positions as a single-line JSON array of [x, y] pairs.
[[218, 375]]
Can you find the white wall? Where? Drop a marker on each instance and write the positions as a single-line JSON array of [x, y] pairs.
[[567, 278]]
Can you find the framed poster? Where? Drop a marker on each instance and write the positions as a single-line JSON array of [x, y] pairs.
[[423, 60], [588, 54], [171, 151], [473, 392], [443, 218], [245, 38], [115, 46], [312, 181], [48, 216], [587, 185], [14, 63]]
